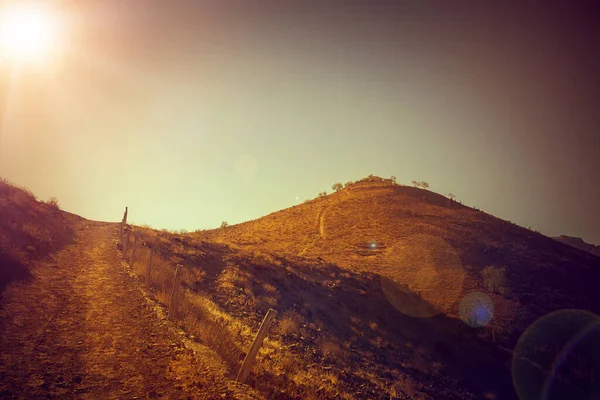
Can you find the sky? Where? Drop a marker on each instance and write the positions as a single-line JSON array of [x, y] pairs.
[[191, 113]]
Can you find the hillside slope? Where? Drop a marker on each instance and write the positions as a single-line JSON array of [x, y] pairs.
[[579, 243], [434, 245], [29, 230], [374, 286]]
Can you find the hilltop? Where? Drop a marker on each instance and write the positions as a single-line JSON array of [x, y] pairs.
[[383, 228]]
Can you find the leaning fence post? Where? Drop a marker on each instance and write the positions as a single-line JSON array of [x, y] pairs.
[[258, 340], [135, 239], [172, 301], [148, 266], [121, 233]]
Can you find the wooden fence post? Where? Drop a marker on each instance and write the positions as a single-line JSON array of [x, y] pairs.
[[135, 239], [125, 243], [258, 340], [121, 233], [148, 266], [172, 301], [125, 217]]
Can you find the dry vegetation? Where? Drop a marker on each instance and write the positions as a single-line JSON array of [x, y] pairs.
[[366, 281], [339, 333], [29, 230]]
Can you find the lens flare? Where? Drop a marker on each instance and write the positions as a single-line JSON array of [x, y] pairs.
[[476, 309], [29, 32], [423, 276], [558, 357]]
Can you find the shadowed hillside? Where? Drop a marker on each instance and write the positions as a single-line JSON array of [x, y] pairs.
[[29, 230], [383, 290], [579, 243]]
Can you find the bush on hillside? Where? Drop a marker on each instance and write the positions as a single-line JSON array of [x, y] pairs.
[[494, 279], [224, 224], [422, 185], [337, 187], [53, 202]]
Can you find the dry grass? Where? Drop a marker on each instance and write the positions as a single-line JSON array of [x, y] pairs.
[[29, 230], [335, 317]]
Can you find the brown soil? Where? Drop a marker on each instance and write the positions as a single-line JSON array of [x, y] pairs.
[[82, 328]]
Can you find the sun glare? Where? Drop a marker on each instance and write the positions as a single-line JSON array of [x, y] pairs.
[[29, 32]]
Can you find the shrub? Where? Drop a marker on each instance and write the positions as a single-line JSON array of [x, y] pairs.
[[348, 183], [323, 194], [495, 279], [224, 224], [422, 185], [393, 179], [337, 186], [53, 201]]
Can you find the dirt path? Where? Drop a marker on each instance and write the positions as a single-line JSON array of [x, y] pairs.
[[321, 222], [81, 328]]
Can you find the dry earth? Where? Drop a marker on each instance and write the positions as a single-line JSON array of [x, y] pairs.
[[82, 328]]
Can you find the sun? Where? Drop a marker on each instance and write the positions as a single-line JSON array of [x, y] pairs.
[[29, 31]]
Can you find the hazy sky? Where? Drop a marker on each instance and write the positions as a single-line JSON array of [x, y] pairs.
[[192, 113]]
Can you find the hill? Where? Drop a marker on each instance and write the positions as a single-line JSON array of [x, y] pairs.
[[579, 243], [383, 290], [29, 230]]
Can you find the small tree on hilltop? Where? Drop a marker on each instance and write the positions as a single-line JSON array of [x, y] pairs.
[[322, 194], [451, 196], [393, 179], [416, 184], [348, 183], [337, 186], [224, 224], [53, 201], [424, 185]]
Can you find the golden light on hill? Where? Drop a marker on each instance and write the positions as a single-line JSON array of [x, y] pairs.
[[30, 32], [424, 276]]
